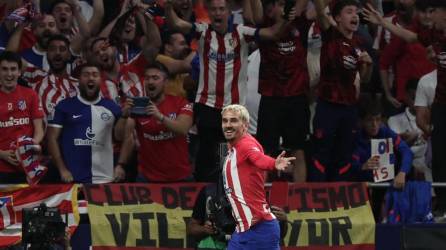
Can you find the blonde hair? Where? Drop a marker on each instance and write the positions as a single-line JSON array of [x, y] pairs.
[[239, 109]]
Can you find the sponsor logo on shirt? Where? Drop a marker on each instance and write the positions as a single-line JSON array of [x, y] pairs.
[[90, 141], [349, 62], [160, 137], [221, 57], [286, 47], [14, 122]]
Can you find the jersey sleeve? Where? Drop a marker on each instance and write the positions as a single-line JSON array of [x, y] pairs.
[[186, 108], [249, 33], [36, 107], [198, 30], [59, 116], [115, 109], [403, 149], [255, 155]]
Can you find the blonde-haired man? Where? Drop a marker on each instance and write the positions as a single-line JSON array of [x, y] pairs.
[[243, 180]]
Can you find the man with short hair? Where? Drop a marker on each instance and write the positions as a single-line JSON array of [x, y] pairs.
[[342, 61], [243, 179], [435, 37], [20, 115], [223, 53], [57, 84], [163, 151], [80, 134]]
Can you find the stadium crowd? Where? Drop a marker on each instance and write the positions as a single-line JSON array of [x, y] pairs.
[[320, 78]]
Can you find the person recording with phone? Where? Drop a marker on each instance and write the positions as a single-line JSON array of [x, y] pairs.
[[161, 122]]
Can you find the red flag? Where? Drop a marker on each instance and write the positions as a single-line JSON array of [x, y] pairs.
[[14, 198]]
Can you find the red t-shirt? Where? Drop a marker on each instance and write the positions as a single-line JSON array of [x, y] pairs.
[[437, 39], [18, 109], [410, 62], [283, 66], [339, 66], [163, 155], [129, 82]]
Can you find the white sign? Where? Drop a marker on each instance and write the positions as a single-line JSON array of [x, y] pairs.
[[384, 149]]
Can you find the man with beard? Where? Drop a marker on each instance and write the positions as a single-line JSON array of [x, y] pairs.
[[342, 60], [42, 27], [20, 115], [405, 60], [80, 134], [163, 151], [177, 57], [243, 178], [57, 84], [223, 53], [122, 80]]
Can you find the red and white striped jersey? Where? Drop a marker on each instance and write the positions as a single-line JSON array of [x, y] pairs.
[[243, 179], [129, 82], [223, 64], [33, 75], [52, 89]]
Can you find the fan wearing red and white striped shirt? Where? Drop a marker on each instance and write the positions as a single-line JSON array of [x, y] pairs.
[[55, 85], [223, 54], [243, 179]]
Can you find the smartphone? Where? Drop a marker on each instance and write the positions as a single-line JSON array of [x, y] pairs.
[[289, 4], [139, 106]]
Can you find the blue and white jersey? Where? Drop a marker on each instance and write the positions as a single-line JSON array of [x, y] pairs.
[[86, 137]]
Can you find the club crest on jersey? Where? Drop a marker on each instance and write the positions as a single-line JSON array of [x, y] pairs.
[[21, 105], [9, 106], [105, 116]]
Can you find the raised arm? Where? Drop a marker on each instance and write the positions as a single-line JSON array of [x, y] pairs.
[[373, 16], [324, 20], [173, 21], [98, 14]]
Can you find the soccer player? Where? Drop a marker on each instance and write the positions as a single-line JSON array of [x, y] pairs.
[[20, 114], [80, 135], [163, 152], [223, 53], [342, 60], [243, 178]]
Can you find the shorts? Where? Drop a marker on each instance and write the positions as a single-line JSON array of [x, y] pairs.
[[286, 117], [264, 235]]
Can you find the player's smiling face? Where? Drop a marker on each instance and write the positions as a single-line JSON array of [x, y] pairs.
[[233, 126], [348, 18], [9, 73]]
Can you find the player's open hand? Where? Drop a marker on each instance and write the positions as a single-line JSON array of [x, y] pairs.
[[283, 162]]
